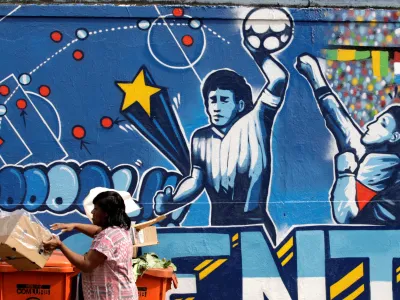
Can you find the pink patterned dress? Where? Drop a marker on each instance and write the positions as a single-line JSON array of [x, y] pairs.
[[112, 280]]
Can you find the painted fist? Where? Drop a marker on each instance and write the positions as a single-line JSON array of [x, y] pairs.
[[163, 201]]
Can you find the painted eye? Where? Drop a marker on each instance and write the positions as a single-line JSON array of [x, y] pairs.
[[64, 187], [91, 176], [224, 99], [37, 188], [13, 187]]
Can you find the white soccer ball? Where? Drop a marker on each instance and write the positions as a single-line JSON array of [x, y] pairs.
[[268, 29]]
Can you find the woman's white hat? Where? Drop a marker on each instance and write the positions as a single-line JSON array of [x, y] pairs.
[[130, 205]]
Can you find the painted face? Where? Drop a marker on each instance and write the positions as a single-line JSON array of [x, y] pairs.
[[99, 216], [222, 107], [380, 130]]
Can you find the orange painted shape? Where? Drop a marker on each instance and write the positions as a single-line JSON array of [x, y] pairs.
[[364, 195]]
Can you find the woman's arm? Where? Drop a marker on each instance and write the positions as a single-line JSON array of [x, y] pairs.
[[88, 229], [85, 263]]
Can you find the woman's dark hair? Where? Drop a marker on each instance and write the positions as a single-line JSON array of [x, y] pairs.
[[231, 81], [113, 204]]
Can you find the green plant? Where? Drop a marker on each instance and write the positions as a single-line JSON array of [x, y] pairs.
[[149, 261]]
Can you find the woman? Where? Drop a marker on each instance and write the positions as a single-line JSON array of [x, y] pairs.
[[107, 267]]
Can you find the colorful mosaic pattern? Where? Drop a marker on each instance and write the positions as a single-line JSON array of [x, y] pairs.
[[363, 64]]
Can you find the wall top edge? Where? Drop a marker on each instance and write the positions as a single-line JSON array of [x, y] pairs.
[[134, 10]]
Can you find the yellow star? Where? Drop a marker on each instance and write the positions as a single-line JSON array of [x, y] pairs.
[[138, 91]]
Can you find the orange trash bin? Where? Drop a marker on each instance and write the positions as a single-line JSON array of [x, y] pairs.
[[155, 283], [52, 282]]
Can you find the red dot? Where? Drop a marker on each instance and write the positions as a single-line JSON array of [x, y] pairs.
[[44, 90], [78, 132], [78, 55], [187, 40], [56, 36], [21, 103], [106, 122], [4, 90], [177, 12]]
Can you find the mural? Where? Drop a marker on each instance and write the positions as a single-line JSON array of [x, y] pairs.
[[270, 137]]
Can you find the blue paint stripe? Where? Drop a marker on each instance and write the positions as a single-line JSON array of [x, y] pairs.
[[310, 248], [191, 245], [380, 246], [257, 260]]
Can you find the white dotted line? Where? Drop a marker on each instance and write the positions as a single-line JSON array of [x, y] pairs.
[[216, 34], [12, 94], [112, 29], [50, 57], [171, 24]]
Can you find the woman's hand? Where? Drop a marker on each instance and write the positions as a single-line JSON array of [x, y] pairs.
[[52, 244], [63, 227]]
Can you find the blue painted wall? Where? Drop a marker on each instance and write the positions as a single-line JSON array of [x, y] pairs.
[[111, 96]]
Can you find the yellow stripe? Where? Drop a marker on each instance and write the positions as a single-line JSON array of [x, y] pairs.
[[203, 264], [203, 274], [398, 270], [286, 260], [347, 280], [398, 278], [345, 55], [376, 63], [191, 298], [356, 293], [235, 245], [235, 237], [285, 248]]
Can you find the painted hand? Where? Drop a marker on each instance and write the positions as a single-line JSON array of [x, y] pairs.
[[163, 201], [309, 67]]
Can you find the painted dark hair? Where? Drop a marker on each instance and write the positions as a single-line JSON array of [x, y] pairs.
[[112, 203], [394, 111], [231, 81]]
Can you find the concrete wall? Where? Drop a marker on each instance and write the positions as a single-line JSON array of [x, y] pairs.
[[282, 3], [278, 128]]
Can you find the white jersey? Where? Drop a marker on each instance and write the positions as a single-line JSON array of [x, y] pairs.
[[237, 165]]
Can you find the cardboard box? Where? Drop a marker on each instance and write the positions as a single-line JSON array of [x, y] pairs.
[[21, 241], [143, 234], [144, 237]]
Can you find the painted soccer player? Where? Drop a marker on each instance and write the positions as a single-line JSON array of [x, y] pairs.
[[367, 172], [231, 157]]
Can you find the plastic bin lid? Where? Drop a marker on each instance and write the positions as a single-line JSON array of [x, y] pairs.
[[57, 263], [162, 273]]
